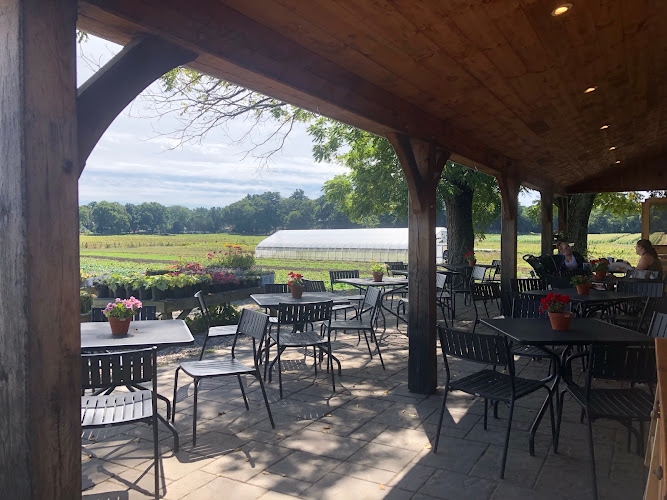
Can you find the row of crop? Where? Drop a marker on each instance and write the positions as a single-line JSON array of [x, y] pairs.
[[171, 285]]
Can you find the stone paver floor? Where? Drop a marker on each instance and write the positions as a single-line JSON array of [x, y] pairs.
[[370, 439]]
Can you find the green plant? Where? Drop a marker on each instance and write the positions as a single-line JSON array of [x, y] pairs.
[[85, 302], [600, 265], [234, 257], [295, 279], [580, 279], [376, 267], [122, 309], [161, 281], [223, 314]]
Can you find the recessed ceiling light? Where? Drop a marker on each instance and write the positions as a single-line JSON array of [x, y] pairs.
[[561, 9], [612, 148], [590, 89], [603, 127], [617, 161]]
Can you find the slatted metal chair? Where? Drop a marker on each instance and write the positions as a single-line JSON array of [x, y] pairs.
[[492, 385], [365, 322], [496, 269], [658, 327], [146, 313], [212, 331], [291, 331], [334, 276], [518, 285], [276, 288], [558, 281], [626, 405], [396, 266], [319, 286], [442, 296], [253, 324], [527, 308], [645, 289], [483, 292], [478, 274], [108, 370], [634, 313]]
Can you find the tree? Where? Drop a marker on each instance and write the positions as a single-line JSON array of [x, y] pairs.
[[110, 218], [376, 187], [178, 218], [151, 217], [85, 219]]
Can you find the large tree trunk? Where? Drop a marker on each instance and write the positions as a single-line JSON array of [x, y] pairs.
[[460, 234], [579, 208]]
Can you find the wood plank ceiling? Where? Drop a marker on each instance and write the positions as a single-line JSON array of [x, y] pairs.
[[501, 84]]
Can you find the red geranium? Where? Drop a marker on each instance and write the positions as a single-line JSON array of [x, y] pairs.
[[469, 256], [600, 265], [554, 303], [295, 279]]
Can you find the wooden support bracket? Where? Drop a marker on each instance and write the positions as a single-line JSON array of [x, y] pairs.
[[114, 86]]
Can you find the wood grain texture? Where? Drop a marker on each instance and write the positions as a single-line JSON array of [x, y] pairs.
[[509, 216], [422, 163], [102, 97], [39, 358]]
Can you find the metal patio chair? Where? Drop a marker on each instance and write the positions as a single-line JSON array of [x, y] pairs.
[[491, 385], [319, 286], [658, 327], [211, 331], [276, 288], [291, 331], [620, 363], [443, 298], [254, 325], [108, 370], [483, 292], [365, 322], [518, 285]]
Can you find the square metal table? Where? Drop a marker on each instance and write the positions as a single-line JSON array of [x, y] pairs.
[[395, 284], [583, 331], [162, 334], [167, 333], [596, 300]]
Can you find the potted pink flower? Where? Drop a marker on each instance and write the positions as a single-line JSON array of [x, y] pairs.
[[120, 314]]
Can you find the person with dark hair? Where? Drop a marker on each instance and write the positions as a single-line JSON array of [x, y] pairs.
[[570, 261], [648, 257]]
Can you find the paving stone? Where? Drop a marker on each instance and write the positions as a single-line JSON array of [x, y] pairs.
[[335, 486], [250, 460], [412, 477], [175, 466], [368, 431], [304, 466], [366, 473], [383, 457], [223, 486], [453, 454], [327, 445], [187, 484], [400, 437], [521, 468], [454, 486], [280, 483]]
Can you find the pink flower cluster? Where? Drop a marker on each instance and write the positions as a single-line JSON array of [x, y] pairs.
[[122, 308], [219, 277]]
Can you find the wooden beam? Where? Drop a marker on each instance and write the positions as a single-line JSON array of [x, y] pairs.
[[39, 244], [104, 95], [509, 192], [635, 174], [547, 210], [561, 204], [422, 163]]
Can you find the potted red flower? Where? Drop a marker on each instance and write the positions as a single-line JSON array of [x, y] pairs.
[[470, 257], [600, 267], [295, 284], [120, 314], [554, 304], [583, 284]]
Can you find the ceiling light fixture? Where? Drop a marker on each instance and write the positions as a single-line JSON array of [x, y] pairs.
[[590, 89], [604, 127], [561, 9], [617, 161], [612, 148]]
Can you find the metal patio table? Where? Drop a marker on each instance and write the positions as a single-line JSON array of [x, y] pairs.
[[582, 332], [162, 334], [597, 300], [272, 300]]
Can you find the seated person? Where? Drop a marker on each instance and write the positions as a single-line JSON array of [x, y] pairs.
[[571, 261], [648, 257]]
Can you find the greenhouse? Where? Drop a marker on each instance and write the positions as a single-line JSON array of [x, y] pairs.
[[354, 245]]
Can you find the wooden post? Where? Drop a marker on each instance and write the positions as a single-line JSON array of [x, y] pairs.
[[547, 205], [422, 164], [39, 252], [509, 192]]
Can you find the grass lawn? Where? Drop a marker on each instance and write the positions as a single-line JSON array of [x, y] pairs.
[[119, 254]]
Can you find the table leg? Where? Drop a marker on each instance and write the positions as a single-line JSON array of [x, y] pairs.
[[545, 405]]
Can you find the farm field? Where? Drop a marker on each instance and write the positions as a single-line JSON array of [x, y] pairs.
[[127, 253]]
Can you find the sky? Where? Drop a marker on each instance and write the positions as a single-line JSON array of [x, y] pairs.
[[137, 159]]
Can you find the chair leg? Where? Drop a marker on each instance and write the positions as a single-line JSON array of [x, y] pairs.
[[280, 374], [559, 411], [368, 344], [507, 440], [486, 412], [495, 409], [377, 345], [194, 414], [592, 453], [266, 400], [442, 414], [266, 359], [245, 400], [156, 457], [173, 406], [333, 374]]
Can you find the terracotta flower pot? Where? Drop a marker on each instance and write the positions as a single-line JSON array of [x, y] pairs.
[[119, 326], [584, 289], [600, 275], [377, 276], [560, 321], [472, 262], [297, 291]]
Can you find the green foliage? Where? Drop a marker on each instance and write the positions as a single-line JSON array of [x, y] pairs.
[[85, 302], [223, 314]]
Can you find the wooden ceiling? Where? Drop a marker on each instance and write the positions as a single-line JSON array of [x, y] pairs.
[[498, 83]]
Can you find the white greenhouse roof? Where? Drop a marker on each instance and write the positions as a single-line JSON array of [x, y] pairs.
[[374, 238]]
